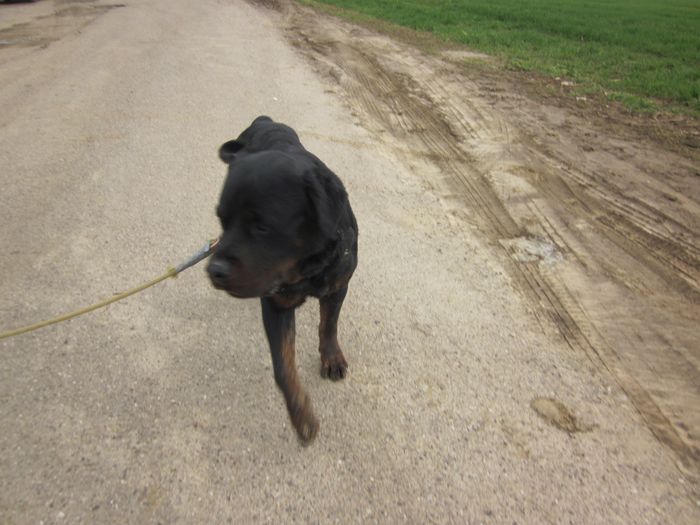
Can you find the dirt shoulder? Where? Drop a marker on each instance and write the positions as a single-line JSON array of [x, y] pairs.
[[596, 209]]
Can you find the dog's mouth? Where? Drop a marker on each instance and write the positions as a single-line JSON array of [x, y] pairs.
[[247, 290], [242, 282], [237, 290], [237, 294]]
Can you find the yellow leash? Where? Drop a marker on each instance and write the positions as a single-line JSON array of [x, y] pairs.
[[202, 254]]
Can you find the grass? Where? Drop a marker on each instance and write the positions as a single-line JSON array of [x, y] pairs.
[[644, 53]]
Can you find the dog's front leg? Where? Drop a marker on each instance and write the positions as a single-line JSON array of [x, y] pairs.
[[279, 327], [333, 364]]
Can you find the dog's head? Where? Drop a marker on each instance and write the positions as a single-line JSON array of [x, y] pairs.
[[276, 209]]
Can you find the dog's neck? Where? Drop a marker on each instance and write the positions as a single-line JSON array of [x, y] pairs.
[[312, 269], [318, 262]]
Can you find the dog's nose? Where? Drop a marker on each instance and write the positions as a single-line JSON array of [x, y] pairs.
[[219, 270]]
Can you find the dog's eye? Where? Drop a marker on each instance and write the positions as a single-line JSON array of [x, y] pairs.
[[260, 229]]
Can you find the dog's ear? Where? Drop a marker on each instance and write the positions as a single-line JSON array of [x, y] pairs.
[[327, 197], [261, 118], [228, 150]]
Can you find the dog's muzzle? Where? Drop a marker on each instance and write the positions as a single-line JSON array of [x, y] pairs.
[[219, 272]]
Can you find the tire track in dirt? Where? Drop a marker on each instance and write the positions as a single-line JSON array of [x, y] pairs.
[[620, 217], [657, 236]]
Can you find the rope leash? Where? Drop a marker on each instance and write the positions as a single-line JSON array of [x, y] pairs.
[[202, 254]]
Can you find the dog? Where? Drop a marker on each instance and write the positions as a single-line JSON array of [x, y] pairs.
[[288, 233]]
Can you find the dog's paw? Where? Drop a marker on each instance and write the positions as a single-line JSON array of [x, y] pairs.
[[307, 431], [334, 367], [305, 422]]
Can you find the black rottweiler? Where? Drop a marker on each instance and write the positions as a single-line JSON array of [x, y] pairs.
[[289, 233]]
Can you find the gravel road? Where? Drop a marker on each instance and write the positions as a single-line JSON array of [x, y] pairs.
[[460, 406]]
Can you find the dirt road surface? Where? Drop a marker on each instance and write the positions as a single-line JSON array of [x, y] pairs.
[[521, 331]]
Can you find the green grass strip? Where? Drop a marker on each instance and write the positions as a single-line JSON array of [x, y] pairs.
[[629, 49]]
